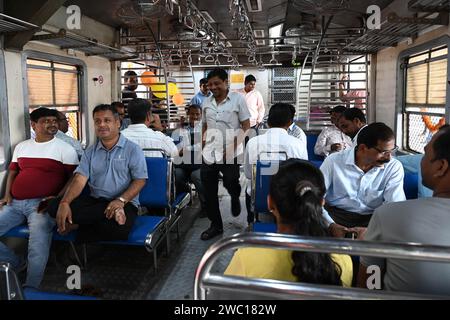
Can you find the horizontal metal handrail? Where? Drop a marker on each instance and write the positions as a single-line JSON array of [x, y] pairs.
[[410, 251]]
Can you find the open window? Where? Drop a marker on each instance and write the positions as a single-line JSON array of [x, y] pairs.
[[425, 96], [56, 84]]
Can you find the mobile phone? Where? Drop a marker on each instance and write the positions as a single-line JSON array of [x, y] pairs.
[[351, 235]]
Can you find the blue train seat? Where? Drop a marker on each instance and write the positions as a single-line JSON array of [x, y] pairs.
[[411, 185], [33, 294], [260, 186], [311, 139]]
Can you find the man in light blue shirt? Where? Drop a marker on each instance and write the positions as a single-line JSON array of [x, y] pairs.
[[361, 179], [116, 171], [202, 94]]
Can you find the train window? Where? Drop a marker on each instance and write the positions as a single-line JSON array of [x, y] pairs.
[[4, 125], [56, 85], [425, 96]]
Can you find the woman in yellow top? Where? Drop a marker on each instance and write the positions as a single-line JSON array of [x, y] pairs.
[[296, 200]]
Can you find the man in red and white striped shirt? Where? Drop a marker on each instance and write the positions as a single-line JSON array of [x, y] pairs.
[[39, 171]]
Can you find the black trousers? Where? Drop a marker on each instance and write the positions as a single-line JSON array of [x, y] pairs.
[[210, 180], [348, 219], [89, 214], [250, 213]]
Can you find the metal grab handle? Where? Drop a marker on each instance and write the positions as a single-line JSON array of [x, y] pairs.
[[209, 58], [273, 60], [407, 251]]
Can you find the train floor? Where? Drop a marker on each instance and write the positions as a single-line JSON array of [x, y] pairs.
[[126, 272]]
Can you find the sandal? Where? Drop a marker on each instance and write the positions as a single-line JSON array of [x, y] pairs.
[[211, 233]]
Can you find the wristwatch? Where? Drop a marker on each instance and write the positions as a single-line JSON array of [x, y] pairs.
[[122, 199]]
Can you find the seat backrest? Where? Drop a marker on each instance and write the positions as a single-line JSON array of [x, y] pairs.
[[157, 192], [311, 139], [261, 185], [410, 185]]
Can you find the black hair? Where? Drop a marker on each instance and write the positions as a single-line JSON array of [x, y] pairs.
[[280, 115], [292, 110], [105, 107], [129, 74], [249, 78], [297, 190], [373, 133], [218, 72], [442, 143], [61, 115], [43, 112], [117, 104], [203, 81], [138, 110], [338, 109], [195, 106], [354, 113]]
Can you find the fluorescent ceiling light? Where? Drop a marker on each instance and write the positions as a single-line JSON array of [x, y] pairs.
[[253, 5], [259, 33], [275, 31]]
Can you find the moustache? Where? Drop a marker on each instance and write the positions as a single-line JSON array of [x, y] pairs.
[[383, 161]]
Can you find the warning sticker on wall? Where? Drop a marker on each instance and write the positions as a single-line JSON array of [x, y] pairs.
[[237, 78]]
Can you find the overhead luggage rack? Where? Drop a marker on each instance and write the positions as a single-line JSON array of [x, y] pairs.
[[91, 47], [393, 30], [9, 25]]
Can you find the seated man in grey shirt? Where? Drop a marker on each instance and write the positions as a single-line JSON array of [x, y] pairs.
[[424, 220], [116, 171]]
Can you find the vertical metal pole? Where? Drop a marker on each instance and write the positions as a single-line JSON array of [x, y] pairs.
[[313, 64], [297, 105]]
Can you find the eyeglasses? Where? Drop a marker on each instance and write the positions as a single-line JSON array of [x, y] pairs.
[[386, 152]]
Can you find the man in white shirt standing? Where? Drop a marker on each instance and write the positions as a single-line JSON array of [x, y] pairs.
[[352, 122], [226, 120], [361, 179], [140, 133], [254, 100], [332, 139], [274, 142]]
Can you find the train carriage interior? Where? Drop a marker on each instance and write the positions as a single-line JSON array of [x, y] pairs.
[[388, 59]]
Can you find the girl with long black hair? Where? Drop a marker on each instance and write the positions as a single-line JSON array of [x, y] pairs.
[[295, 199]]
